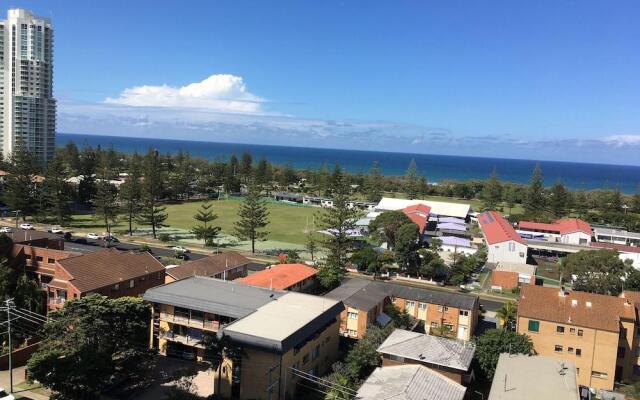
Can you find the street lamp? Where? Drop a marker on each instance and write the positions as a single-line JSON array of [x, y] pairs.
[[17, 212]]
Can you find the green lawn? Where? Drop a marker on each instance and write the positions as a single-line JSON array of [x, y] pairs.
[[287, 222]]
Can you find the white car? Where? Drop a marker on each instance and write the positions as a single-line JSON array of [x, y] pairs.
[[180, 249], [56, 230], [26, 227], [5, 229], [92, 236], [5, 396]]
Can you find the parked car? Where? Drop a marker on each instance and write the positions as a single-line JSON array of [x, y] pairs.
[[5, 396], [111, 239], [6, 229], [56, 230], [180, 249], [80, 241], [27, 227], [93, 236]]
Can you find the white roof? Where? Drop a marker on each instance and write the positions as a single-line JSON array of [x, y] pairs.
[[616, 232], [279, 319], [459, 210], [522, 377], [524, 269], [409, 382]]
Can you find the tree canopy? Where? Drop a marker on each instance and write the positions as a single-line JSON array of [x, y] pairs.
[[384, 227], [493, 342], [599, 271]]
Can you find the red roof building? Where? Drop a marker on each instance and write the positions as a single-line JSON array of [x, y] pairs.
[[294, 277], [561, 227], [419, 214], [496, 229]]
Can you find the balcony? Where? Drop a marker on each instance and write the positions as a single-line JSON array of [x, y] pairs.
[[209, 325], [184, 339]]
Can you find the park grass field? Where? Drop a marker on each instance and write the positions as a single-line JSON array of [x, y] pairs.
[[287, 223]]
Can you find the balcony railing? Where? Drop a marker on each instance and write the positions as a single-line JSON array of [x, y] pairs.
[[57, 300], [194, 323], [184, 339]]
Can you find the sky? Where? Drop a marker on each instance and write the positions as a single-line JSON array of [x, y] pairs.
[[548, 80]]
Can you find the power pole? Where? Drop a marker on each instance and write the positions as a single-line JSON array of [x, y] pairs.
[[9, 304]]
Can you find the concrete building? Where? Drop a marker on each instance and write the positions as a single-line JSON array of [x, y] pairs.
[[567, 230], [596, 332], [27, 106], [503, 242], [440, 208], [409, 382], [507, 276], [522, 377], [293, 277], [617, 236], [282, 334], [631, 253], [365, 300], [449, 357]]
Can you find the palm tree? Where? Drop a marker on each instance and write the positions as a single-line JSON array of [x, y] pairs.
[[507, 315]]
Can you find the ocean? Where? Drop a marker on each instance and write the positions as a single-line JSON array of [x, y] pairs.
[[434, 167]]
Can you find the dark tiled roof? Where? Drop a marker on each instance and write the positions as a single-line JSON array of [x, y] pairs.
[[209, 266], [104, 268]]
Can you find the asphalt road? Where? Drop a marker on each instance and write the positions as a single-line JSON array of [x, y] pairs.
[[96, 245]]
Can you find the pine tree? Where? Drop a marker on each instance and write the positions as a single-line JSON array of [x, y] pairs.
[[105, 201], [20, 191], [373, 183], [411, 180], [254, 216], [580, 203], [246, 167], [339, 221], [152, 213], [559, 201], [510, 197], [492, 192], [58, 191], [635, 201], [616, 201], [535, 201], [130, 192], [206, 231]]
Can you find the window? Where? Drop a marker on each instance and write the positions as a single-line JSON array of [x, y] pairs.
[[434, 324], [598, 374], [422, 306], [570, 350], [534, 326], [352, 332], [580, 332], [621, 352], [572, 331], [315, 352], [560, 329], [38, 258], [352, 315], [305, 359], [512, 246], [578, 352], [409, 305], [51, 261], [636, 370], [132, 283], [557, 348], [116, 287], [464, 313]]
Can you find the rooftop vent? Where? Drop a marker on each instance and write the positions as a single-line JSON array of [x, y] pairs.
[[588, 303], [574, 303]]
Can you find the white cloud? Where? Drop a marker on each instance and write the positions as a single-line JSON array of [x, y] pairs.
[[219, 92], [623, 140]]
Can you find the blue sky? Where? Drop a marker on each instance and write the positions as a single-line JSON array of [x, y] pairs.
[[539, 79]]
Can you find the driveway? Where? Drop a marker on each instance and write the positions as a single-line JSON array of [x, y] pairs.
[[18, 377]]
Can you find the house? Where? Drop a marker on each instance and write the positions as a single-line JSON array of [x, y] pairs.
[[365, 300], [37, 239], [616, 235], [507, 276], [440, 208], [110, 272], [503, 243], [596, 332], [449, 357], [419, 215], [567, 230], [39, 262], [282, 334], [227, 266], [625, 252], [523, 377], [409, 382], [293, 277]]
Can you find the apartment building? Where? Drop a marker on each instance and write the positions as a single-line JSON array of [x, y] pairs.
[[293, 277], [282, 334], [27, 106], [226, 266], [596, 332], [365, 300]]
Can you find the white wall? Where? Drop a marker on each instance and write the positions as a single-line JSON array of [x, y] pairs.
[[510, 251], [459, 249], [575, 237], [635, 257]]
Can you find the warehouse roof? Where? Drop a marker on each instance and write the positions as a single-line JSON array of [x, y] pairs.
[[459, 210]]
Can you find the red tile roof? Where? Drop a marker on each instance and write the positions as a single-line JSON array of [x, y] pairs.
[[562, 226], [419, 214], [209, 266], [281, 276], [418, 220], [615, 246], [496, 229], [546, 303]]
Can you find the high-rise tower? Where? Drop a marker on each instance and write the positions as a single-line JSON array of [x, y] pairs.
[[27, 106]]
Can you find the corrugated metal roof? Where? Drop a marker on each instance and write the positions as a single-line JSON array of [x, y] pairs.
[[459, 210], [409, 382], [446, 352]]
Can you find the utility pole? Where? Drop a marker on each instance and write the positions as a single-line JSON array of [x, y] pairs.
[[9, 304]]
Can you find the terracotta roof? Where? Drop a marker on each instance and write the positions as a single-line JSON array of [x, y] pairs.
[[418, 220], [280, 276], [632, 296], [104, 268], [417, 209], [209, 266], [615, 246], [496, 229], [562, 226], [584, 309]]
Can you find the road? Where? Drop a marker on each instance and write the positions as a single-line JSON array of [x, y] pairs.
[[95, 245]]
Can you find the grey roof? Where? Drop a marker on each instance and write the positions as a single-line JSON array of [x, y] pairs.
[[364, 294], [522, 377], [445, 352], [213, 296], [409, 382]]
